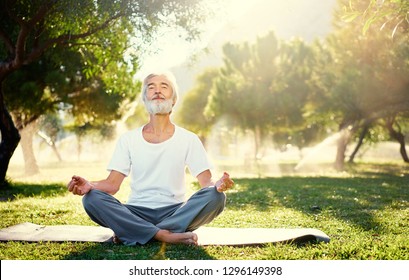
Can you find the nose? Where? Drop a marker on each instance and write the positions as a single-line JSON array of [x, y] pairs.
[[156, 89]]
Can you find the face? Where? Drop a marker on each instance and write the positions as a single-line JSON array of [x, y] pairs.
[[158, 88], [159, 95]]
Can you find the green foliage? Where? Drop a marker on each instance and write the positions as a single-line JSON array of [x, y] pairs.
[[364, 211], [81, 48], [78, 54], [298, 93], [268, 87], [24, 92], [192, 111], [94, 100], [138, 117], [371, 69], [51, 125], [389, 14]]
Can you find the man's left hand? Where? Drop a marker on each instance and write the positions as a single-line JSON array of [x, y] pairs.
[[224, 183]]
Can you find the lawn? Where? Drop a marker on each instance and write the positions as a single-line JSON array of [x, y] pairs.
[[363, 210]]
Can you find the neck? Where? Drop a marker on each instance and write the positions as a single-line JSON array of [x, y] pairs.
[[159, 124], [159, 129]]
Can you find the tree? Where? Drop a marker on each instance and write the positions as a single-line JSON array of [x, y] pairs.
[[192, 111], [297, 124], [240, 91], [30, 28], [265, 87], [370, 84], [50, 126], [63, 76]]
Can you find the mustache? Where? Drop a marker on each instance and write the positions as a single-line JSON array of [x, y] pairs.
[[158, 95]]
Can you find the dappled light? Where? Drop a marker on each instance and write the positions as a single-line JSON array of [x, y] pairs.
[[268, 95], [303, 104], [351, 200]]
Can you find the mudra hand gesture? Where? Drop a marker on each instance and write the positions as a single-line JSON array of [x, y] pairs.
[[224, 183]]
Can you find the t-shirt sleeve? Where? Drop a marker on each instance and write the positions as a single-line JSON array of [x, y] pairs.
[[197, 160], [121, 159]]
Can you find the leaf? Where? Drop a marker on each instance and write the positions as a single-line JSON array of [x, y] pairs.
[[349, 17], [396, 27], [368, 23]]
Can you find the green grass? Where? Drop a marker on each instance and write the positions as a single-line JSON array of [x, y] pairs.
[[364, 211]]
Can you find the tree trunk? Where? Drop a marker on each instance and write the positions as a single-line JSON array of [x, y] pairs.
[[257, 142], [54, 147], [79, 147], [359, 144], [397, 135], [30, 162], [9, 138], [51, 143], [257, 146], [344, 136]]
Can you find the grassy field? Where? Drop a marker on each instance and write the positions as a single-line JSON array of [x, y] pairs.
[[364, 210]]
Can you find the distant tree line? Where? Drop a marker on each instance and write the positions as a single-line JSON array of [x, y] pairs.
[[74, 57], [355, 82]]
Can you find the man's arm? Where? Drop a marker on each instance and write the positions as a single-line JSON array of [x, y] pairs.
[[111, 184], [223, 184]]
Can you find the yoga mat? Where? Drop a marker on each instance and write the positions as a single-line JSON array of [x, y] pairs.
[[207, 235]]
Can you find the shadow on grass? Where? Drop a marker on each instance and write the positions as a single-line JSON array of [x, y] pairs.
[[348, 199], [150, 251], [21, 190]]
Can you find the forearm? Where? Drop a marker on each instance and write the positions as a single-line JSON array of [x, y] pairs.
[[205, 179], [111, 184], [104, 185]]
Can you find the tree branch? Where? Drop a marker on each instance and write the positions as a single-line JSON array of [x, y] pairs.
[[67, 38], [41, 13], [37, 34], [20, 45], [25, 29], [7, 41]]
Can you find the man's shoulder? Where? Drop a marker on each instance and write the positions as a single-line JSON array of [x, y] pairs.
[[185, 132]]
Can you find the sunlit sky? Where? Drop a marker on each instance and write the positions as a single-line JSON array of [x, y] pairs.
[[243, 20], [170, 50]]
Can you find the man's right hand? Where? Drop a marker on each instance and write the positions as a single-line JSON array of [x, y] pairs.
[[79, 185]]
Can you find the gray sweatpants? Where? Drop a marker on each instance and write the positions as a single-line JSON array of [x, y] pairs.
[[138, 225]]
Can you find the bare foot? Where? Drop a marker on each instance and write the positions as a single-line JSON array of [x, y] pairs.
[[188, 238], [116, 240]]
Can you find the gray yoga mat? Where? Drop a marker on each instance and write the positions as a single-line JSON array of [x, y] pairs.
[[207, 235]]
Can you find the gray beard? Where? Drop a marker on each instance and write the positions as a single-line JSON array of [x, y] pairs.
[[159, 107]]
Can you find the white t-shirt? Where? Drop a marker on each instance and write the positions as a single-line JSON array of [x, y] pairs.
[[158, 170]]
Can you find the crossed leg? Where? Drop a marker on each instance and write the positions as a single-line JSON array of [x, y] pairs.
[[136, 225], [200, 209]]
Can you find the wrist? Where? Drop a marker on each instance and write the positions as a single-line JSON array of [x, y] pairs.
[[91, 185]]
